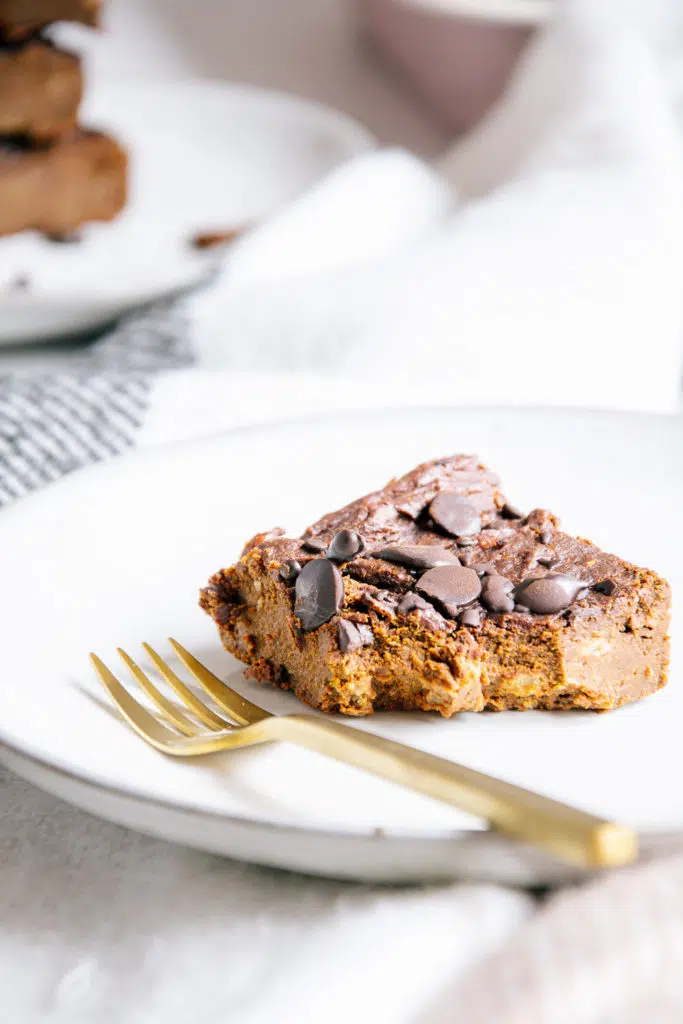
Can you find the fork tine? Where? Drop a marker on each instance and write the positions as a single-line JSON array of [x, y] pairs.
[[203, 713], [238, 708], [169, 711], [138, 718]]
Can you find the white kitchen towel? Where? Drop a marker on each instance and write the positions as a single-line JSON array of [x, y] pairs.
[[551, 275]]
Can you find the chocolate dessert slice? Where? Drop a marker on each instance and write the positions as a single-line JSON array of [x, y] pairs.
[[40, 89], [56, 189], [436, 594]]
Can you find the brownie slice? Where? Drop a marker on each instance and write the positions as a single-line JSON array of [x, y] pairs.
[[21, 18], [40, 89], [435, 594], [56, 189]]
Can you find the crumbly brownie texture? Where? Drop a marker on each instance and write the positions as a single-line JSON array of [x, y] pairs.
[[21, 18], [80, 178], [435, 594], [40, 89]]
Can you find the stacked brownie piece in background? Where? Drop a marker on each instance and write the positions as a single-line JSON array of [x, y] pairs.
[[55, 176]]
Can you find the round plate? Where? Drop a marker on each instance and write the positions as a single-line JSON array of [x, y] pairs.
[[115, 555], [203, 156]]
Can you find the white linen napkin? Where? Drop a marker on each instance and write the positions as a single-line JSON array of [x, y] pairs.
[[549, 275]]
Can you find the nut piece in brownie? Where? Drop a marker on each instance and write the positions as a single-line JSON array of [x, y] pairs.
[[79, 178], [40, 89], [436, 594], [21, 18]]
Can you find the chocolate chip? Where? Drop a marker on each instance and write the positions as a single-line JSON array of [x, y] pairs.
[[352, 635], [484, 568], [455, 514], [605, 587], [345, 545], [410, 601], [319, 590], [473, 616], [545, 536], [428, 614], [548, 594], [509, 511], [450, 586], [314, 545], [496, 594], [548, 561], [290, 569], [417, 556]]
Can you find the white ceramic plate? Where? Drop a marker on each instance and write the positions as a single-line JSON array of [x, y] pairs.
[[115, 555], [203, 155]]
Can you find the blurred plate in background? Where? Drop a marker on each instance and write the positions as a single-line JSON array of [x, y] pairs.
[[203, 156]]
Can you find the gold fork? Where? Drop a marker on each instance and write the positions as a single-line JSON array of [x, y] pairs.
[[565, 831]]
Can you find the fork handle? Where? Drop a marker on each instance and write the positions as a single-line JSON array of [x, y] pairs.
[[564, 831]]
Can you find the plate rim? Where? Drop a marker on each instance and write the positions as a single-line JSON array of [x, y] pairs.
[[351, 835]]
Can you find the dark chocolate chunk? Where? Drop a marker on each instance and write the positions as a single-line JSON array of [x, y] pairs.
[[548, 561], [472, 616], [345, 545], [314, 545], [607, 587], [496, 594], [484, 568], [319, 590], [352, 635], [428, 614], [455, 514], [450, 586], [417, 556], [548, 594], [509, 511], [290, 569]]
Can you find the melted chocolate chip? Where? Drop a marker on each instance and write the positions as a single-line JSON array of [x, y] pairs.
[[473, 616], [450, 586], [290, 569], [548, 594], [455, 514], [319, 591], [418, 556], [427, 613], [345, 545], [314, 545], [509, 511], [607, 587], [496, 594], [352, 635]]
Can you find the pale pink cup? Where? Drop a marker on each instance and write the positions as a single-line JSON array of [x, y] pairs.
[[458, 53]]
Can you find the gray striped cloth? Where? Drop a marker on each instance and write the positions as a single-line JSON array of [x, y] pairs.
[[53, 423]]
